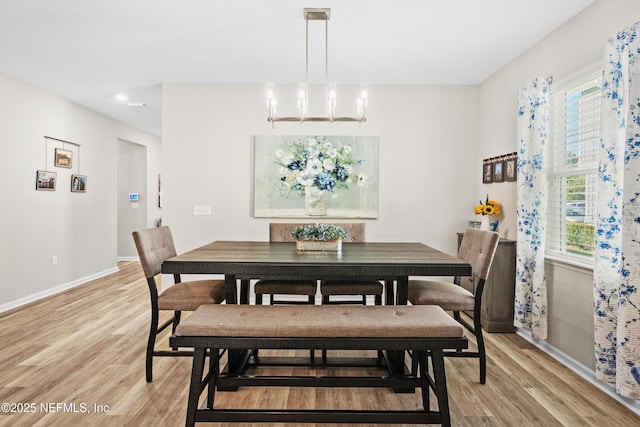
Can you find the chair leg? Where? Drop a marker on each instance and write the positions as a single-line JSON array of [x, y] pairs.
[[151, 343], [378, 300], [482, 356], [258, 299], [176, 322], [456, 316]]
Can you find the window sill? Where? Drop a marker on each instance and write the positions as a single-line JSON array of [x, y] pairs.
[[576, 263]]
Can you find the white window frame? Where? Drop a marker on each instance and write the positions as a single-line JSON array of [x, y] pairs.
[[559, 169]]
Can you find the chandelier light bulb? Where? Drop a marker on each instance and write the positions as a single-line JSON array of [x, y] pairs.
[[302, 100], [331, 100]]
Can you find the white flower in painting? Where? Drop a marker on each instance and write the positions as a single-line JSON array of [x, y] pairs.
[[314, 165], [332, 153], [346, 149], [327, 145], [362, 179], [306, 177], [312, 144], [328, 165], [284, 157], [348, 168]]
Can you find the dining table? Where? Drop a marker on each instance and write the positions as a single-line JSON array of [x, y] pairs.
[[242, 261]]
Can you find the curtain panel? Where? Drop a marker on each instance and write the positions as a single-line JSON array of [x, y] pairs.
[[531, 288], [617, 254]]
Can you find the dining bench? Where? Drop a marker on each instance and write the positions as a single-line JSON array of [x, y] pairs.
[[425, 331]]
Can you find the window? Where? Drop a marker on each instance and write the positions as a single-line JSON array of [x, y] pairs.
[[573, 170]]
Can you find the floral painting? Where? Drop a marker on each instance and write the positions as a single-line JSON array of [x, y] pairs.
[[316, 176]]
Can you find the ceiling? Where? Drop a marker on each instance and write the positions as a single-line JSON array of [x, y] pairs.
[[87, 51]]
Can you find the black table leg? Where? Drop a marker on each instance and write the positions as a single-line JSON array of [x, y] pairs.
[[244, 291], [236, 359], [389, 293], [396, 357], [231, 289]]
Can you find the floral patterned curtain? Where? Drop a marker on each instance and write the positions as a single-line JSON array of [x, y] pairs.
[[531, 288], [617, 255]]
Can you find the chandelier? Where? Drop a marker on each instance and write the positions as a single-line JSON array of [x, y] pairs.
[[330, 88]]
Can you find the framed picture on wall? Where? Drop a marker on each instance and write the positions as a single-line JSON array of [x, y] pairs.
[[46, 180], [510, 169], [63, 158], [498, 171], [78, 183], [315, 176], [487, 172]]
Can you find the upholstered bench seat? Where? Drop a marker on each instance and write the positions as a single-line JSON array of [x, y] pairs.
[[424, 330], [333, 321]]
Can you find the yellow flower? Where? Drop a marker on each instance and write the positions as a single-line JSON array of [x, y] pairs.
[[489, 207]]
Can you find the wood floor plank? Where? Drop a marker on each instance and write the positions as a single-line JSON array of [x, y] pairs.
[[84, 348]]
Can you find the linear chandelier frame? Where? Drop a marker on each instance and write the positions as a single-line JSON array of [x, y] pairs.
[[322, 14]]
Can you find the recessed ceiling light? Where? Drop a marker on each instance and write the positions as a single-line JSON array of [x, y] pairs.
[[121, 97]]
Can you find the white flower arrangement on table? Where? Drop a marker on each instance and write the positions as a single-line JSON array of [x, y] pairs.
[[319, 164]]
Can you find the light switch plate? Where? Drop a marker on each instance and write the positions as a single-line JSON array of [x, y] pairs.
[[201, 210]]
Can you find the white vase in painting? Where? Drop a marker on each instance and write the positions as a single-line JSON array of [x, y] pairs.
[[315, 201]]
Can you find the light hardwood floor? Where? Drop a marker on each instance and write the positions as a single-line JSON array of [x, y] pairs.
[[83, 351]]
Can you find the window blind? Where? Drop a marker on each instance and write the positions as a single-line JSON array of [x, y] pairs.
[[575, 135]]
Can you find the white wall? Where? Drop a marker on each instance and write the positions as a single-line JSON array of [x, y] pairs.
[[573, 47], [78, 228], [132, 178], [428, 150]]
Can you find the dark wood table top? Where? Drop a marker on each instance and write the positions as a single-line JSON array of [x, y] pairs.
[[379, 260]]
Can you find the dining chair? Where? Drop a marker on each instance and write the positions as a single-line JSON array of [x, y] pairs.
[[477, 248], [154, 246], [281, 232], [356, 288]]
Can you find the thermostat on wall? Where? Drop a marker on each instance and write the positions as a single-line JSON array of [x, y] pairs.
[[134, 197]]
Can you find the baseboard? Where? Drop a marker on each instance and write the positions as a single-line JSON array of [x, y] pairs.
[[580, 369], [128, 258], [49, 292]]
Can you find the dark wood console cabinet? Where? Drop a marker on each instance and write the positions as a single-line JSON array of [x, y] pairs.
[[499, 291]]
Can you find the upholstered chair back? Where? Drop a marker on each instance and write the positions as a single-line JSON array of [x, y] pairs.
[[154, 246], [478, 248]]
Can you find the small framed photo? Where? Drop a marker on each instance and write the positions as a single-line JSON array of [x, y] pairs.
[[487, 172], [498, 172], [510, 169], [78, 183], [46, 180], [63, 158]]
